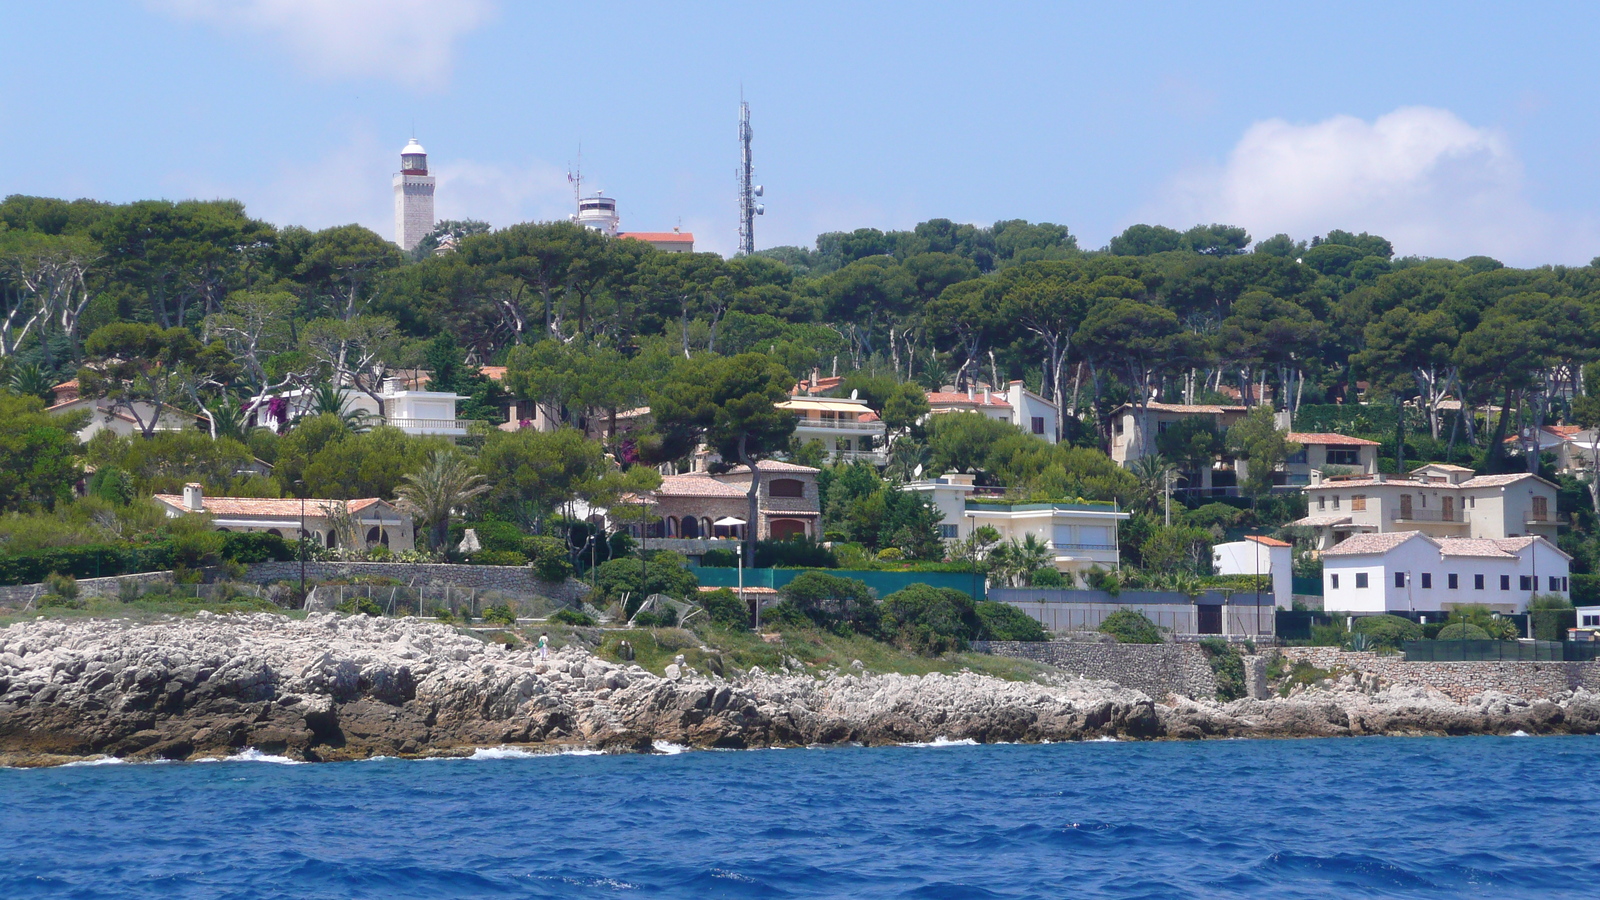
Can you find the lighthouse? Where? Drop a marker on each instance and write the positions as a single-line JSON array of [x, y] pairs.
[[413, 197]]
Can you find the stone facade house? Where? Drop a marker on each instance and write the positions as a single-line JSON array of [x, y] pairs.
[[686, 507]]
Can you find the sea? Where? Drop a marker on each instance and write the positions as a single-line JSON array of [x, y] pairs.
[[1500, 817]]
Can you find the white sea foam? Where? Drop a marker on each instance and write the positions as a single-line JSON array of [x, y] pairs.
[[1520, 733], [251, 754], [1103, 739], [501, 753], [668, 747], [943, 742]]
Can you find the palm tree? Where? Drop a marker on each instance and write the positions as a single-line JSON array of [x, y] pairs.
[[28, 380], [328, 398], [230, 418], [1152, 473], [443, 485]]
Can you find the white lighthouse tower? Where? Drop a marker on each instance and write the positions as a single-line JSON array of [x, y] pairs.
[[413, 197]]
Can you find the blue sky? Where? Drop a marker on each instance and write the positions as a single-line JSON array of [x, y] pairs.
[[1453, 129]]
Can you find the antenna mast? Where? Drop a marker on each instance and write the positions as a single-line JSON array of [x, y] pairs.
[[748, 190]]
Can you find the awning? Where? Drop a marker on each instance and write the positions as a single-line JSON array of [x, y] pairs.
[[824, 405]]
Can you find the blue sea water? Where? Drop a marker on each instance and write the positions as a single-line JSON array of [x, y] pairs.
[[1377, 817]]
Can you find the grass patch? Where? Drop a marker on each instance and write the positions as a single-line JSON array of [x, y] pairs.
[[148, 608], [1301, 673]]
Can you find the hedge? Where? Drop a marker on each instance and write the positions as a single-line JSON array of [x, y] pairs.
[[104, 560], [1586, 590]]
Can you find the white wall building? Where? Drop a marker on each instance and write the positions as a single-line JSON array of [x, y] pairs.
[[1439, 500], [1027, 411], [414, 412], [1409, 571], [376, 522], [1258, 555], [413, 197], [847, 428]]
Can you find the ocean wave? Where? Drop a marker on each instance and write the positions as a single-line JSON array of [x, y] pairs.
[[96, 761], [1519, 733], [668, 748], [943, 742], [251, 754]]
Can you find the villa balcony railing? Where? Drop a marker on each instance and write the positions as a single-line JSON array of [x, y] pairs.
[[839, 425], [1427, 515], [878, 457], [1537, 519], [435, 425], [1092, 548]]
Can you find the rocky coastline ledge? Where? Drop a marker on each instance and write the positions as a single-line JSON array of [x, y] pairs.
[[332, 687]]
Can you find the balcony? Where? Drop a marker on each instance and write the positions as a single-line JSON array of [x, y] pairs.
[[876, 457], [1534, 518], [429, 426], [802, 423], [1427, 515], [1085, 548]]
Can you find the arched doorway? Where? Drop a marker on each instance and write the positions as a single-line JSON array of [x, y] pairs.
[[690, 528], [784, 529]]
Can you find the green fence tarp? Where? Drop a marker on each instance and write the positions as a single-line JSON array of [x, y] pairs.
[[885, 583], [1310, 587]]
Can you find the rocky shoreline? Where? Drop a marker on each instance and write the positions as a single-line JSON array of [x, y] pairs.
[[333, 688]]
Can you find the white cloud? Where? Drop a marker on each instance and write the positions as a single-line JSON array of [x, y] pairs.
[[1428, 181], [502, 195], [409, 41]]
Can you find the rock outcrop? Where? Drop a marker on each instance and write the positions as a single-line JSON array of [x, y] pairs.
[[332, 687]]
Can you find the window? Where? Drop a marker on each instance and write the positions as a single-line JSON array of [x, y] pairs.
[[1361, 579], [1322, 502], [1555, 583], [1541, 510], [1400, 579], [1298, 459], [1454, 581], [1477, 582], [1358, 502], [1038, 424], [1333, 582], [787, 487], [1563, 583], [1343, 456], [948, 532], [1524, 583], [1335, 501], [1505, 582], [1472, 503], [1591, 621], [1427, 580]]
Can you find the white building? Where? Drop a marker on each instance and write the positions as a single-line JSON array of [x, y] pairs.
[[107, 415], [1023, 409], [1439, 500], [1258, 555], [1408, 571], [376, 522], [413, 197], [414, 412], [1081, 536], [847, 428], [599, 213]]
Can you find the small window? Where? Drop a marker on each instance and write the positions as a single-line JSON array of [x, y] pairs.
[[1038, 424], [1591, 621], [1400, 579], [1505, 582], [1524, 583], [1477, 582], [787, 487], [1472, 503], [1322, 502], [1555, 583], [1454, 581], [1427, 580], [1333, 582], [1361, 579], [1344, 457], [948, 532], [1335, 501], [1564, 583], [1358, 502]]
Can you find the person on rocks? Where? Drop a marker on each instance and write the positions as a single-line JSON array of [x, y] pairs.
[[544, 645]]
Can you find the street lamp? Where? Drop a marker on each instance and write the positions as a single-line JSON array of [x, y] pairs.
[[732, 522]]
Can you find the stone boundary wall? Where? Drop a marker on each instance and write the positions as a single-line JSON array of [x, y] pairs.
[[514, 580], [1156, 669], [1459, 680], [19, 595]]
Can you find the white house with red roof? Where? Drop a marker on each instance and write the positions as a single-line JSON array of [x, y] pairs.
[[1408, 571], [1436, 499], [1023, 409], [1259, 555], [377, 522], [847, 428], [106, 415], [675, 241]]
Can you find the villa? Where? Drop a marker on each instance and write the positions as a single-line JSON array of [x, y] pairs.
[[376, 522]]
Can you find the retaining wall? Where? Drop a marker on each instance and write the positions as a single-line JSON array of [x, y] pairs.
[[513, 580], [1156, 669], [1459, 680], [19, 595]]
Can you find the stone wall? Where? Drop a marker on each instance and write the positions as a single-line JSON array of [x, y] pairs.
[[1459, 680], [20, 595], [1156, 669], [512, 580]]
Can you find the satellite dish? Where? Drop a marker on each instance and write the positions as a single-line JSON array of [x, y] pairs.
[[917, 472], [854, 395]]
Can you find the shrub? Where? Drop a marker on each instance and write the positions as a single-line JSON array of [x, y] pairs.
[[891, 554], [666, 617], [1586, 589], [1551, 615], [1388, 631], [1003, 622], [498, 558], [59, 602], [62, 585], [500, 615], [492, 535], [832, 602], [720, 559], [1302, 672], [1129, 626], [365, 606], [665, 573], [1497, 628], [549, 557], [1463, 631], [1047, 578], [795, 553], [85, 561], [724, 609], [1327, 635], [249, 547], [572, 617], [783, 615], [930, 620], [1227, 666], [443, 614]]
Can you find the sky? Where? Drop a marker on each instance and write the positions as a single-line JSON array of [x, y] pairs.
[[1453, 129]]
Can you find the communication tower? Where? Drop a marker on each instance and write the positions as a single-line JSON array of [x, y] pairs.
[[748, 189]]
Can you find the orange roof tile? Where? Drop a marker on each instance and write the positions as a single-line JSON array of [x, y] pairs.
[[957, 398], [663, 237], [1266, 541], [261, 506], [1328, 438]]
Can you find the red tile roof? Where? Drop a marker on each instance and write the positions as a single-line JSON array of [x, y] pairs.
[[495, 373], [957, 398], [1328, 438], [1266, 541], [271, 508], [659, 237]]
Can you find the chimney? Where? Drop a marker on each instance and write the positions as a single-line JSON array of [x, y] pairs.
[[816, 376], [1377, 478], [986, 395], [194, 497], [969, 391]]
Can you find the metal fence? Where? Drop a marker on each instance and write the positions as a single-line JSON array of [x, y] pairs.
[[427, 600], [1501, 651]]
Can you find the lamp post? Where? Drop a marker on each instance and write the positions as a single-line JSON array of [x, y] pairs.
[[732, 522]]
